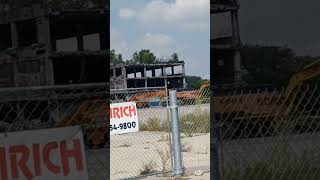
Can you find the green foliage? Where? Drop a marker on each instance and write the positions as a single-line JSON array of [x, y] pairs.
[[154, 124], [144, 56], [195, 122], [116, 58], [194, 82], [271, 65], [174, 58]]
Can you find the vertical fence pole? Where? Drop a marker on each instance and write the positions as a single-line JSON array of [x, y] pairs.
[[214, 141], [175, 128], [168, 119]]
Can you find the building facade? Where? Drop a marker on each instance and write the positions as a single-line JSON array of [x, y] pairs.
[[41, 47], [125, 76], [225, 42]]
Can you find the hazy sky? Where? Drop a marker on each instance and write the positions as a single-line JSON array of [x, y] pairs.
[[293, 23], [164, 27]]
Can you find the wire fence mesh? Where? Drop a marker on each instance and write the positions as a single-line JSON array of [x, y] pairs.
[[60, 106], [148, 152], [269, 134]]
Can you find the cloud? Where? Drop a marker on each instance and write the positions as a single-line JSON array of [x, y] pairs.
[[182, 13], [179, 11], [117, 43], [126, 13], [161, 45]]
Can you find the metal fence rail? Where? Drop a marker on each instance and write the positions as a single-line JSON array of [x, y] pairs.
[[148, 152], [269, 134]]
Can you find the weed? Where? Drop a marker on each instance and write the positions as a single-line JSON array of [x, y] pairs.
[[154, 124], [185, 147], [148, 168], [165, 157], [195, 122]]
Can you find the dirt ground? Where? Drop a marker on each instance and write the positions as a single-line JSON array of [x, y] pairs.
[[131, 152]]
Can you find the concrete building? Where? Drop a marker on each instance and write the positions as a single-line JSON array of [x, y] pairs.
[[148, 75], [40, 47], [225, 42]]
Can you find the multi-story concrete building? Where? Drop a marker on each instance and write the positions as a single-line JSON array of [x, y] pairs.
[[225, 42], [39, 46], [148, 75]]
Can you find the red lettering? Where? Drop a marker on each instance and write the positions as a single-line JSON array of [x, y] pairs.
[[132, 110], [75, 153], [14, 150], [121, 112], [116, 112], [125, 111], [3, 164], [46, 157], [111, 114], [36, 159]]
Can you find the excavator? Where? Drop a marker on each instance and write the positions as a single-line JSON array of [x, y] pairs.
[[185, 96], [255, 110], [90, 112]]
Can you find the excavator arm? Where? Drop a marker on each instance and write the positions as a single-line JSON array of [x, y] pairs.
[[310, 71]]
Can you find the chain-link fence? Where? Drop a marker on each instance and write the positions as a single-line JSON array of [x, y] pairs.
[[60, 106], [269, 134], [149, 151]]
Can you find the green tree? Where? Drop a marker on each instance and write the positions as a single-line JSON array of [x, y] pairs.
[[194, 82], [174, 58], [144, 56], [271, 65], [116, 58]]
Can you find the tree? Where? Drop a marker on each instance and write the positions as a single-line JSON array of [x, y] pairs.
[[174, 58], [116, 58], [144, 56], [194, 82], [271, 65]]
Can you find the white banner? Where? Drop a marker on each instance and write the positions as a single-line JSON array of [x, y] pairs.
[[47, 154], [123, 118]]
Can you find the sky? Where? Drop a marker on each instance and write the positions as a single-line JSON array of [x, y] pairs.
[[164, 27], [291, 23]]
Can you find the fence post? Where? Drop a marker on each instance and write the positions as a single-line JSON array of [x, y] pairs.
[[175, 129]]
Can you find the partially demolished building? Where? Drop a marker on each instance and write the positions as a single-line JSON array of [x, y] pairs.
[[225, 42], [40, 47], [125, 76]]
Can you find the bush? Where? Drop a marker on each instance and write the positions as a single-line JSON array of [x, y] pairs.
[[195, 122], [154, 124], [148, 168]]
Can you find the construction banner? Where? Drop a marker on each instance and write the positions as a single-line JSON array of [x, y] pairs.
[[123, 118], [47, 154]]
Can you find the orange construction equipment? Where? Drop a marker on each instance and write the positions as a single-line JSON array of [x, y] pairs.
[[89, 111]]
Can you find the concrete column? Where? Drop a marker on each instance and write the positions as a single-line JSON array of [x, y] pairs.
[[103, 41], [184, 76], [172, 70], [153, 72], [79, 37], [43, 31], [14, 35], [124, 74], [235, 27], [145, 76], [237, 66]]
